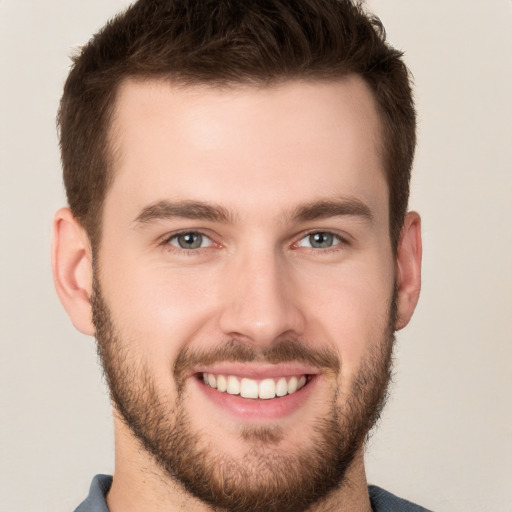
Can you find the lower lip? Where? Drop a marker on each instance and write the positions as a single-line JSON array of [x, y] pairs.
[[254, 409]]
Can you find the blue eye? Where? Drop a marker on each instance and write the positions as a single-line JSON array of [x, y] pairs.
[[190, 240], [320, 240]]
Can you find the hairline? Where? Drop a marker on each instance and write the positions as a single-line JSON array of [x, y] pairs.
[[112, 155]]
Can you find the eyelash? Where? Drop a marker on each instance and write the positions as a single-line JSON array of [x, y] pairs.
[[341, 241], [166, 242]]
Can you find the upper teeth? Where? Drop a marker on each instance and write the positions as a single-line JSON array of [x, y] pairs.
[[250, 388]]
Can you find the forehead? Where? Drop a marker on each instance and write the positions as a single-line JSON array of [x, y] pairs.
[[246, 147]]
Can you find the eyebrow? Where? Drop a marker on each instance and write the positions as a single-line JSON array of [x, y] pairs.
[[324, 209], [199, 210], [164, 210]]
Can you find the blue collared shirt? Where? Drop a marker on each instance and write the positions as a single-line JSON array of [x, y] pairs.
[[381, 500]]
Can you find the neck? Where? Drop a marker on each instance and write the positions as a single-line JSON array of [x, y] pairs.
[[140, 484]]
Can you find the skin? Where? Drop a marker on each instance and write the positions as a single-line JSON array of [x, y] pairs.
[[261, 154]]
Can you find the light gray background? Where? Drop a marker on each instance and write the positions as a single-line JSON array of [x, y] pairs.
[[446, 437]]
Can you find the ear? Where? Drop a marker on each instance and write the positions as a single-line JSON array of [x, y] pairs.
[[408, 268], [72, 269]]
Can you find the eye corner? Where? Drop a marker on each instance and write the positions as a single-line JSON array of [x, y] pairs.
[[320, 240], [187, 241]]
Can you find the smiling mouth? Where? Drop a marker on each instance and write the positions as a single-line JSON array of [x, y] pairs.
[[265, 389]]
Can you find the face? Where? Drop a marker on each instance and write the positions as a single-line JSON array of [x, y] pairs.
[[244, 287]]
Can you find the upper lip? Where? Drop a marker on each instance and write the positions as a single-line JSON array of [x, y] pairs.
[[257, 371]]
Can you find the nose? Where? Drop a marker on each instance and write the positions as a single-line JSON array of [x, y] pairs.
[[260, 300]]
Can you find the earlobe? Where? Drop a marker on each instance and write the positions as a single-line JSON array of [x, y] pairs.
[[408, 268], [72, 269]]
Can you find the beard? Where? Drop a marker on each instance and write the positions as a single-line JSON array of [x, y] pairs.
[[263, 479]]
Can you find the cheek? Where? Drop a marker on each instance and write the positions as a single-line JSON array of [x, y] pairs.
[[351, 313], [158, 310]]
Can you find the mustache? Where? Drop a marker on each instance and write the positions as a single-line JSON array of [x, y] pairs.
[[284, 351]]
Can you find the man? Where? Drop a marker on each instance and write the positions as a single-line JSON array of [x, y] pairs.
[[237, 241]]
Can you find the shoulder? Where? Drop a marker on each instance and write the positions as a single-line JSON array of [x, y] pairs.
[[384, 501], [95, 501]]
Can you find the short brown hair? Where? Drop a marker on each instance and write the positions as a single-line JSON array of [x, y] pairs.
[[229, 41]]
